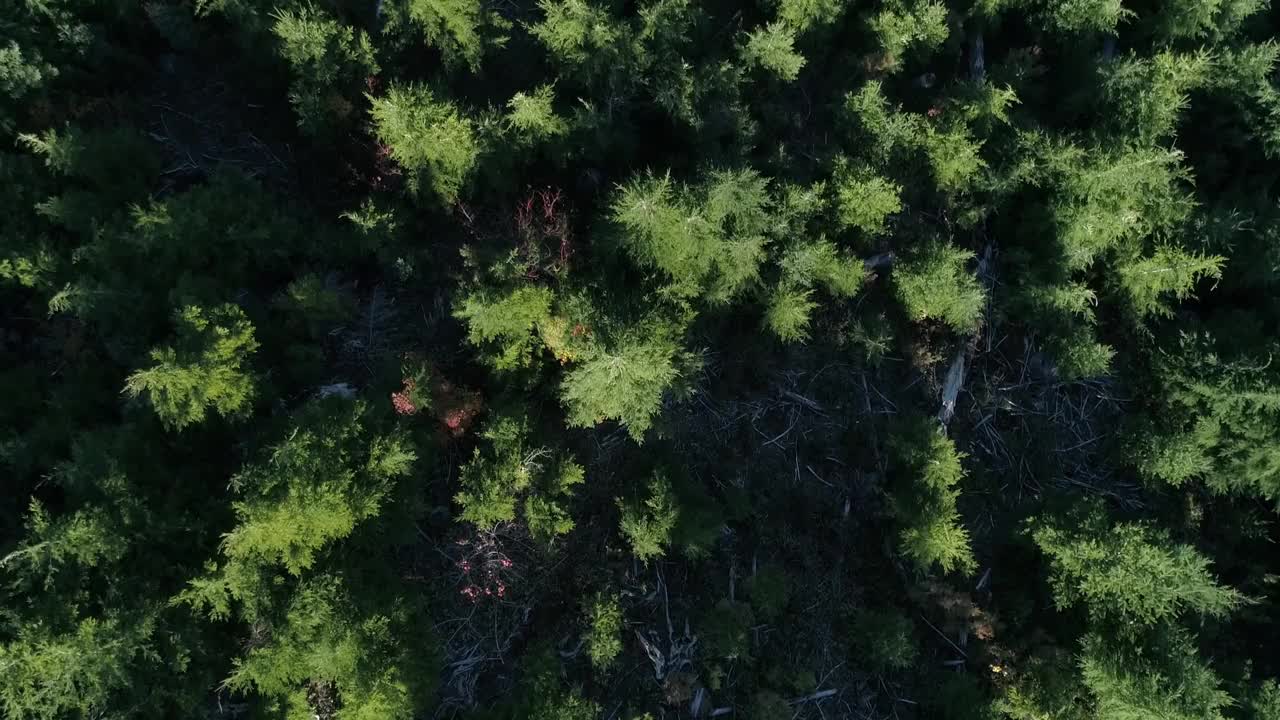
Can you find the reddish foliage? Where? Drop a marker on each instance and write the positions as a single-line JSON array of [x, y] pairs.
[[402, 401], [457, 408], [484, 567], [543, 233]]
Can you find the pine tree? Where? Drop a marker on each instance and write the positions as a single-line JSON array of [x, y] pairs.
[[604, 631], [709, 240], [925, 492], [1166, 680], [1130, 572], [1148, 94], [509, 469], [1169, 272], [864, 200], [909, 24], [625, 380], [80, 672], [329, 61], [204, 370], [802, 15], [532, 117], [377, 666], [647, 523], [934, 284], [430, 137], [310, 490], [452, 27], [772, 48], [508, 322], [1211, 420]]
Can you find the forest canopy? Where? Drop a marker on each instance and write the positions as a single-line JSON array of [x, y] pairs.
[[590, 359]]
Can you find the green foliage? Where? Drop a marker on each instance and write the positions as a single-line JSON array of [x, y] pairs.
[[326, 645], [805, 266], [788, 313], [647, 523], [544, 508], [452, 27], [1050, 688], [1105, 199], [1131, 572], [1211, 420], [50, 674], [1201, 19], [1264, 701], [205, 368], [508, 322], [313, 488], [533, 118], [772, 48], [884, 639], [1148, 94], [604, 631], [708, 240], [625, 380], [910, 24], [1077, 16], [84, 538], [755, 266], [430, 137], [924, 498], [1169, 271], [726, 630], [506, 469], [769, 591], [1170, 682], [865, 200], [934, 285], [801, 15], [578, 33], [329, 63]]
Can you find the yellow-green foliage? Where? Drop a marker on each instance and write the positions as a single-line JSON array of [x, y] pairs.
[[206, 369]]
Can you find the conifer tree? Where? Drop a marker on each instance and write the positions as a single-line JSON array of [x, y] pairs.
[[507, 470], [1165, 681], [924, 499], [312, 489], [936, 285], [325, 647], [532, 117], [83, 672], [647, 523], [204, 370], [329, 61], [708, 240], [1211, 421], [771, 48], [1129, 572], [430, 137], [453, 27], [626, 379]]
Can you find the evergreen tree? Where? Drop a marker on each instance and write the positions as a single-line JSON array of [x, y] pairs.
[[453, 27], [329, 61], [431, 138], [924, 499], [771, 48], [1129, 572], [935, 285], [204, 370], [647, 523], [1170, 682]]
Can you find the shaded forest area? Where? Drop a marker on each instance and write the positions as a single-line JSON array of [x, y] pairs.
[[633, 360]]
